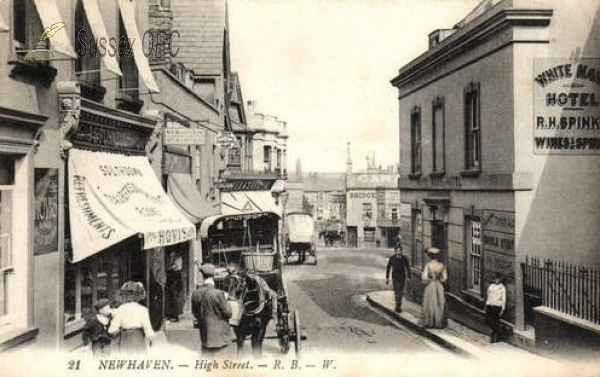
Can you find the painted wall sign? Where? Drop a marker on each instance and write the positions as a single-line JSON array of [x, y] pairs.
[[184, 136], [566, 107], [45, 223], [494, 262], [499, 221], [499, 232]]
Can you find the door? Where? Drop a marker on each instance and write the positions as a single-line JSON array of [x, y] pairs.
[[439, 238]]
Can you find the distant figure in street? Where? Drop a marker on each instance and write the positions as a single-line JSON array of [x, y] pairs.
[[398, 243], [494, 306], [132, 320], [174, 286], [211, 309], [96, 329], [400, 268], [434, 275]]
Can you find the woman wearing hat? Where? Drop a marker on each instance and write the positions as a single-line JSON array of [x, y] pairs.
[[434, 275], [132, 320]]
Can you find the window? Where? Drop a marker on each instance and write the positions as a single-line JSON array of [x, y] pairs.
[[27, 26], [87, 66], [367, 211], [381, 209], [267, 157], [438, 144], [395, 214], [279, 159], [128, 82], [472, 128], [473, 245], [98, 277], [417, 228], [235, 157], [415, 141], [6, 229]]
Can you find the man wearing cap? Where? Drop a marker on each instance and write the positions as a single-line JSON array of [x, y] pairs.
[[211, 309], [398, 264]]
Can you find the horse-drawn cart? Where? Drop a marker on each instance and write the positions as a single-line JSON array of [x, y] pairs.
[[299, 236], [243, 244]]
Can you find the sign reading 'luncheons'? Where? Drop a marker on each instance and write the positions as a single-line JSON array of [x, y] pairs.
[[566, 95]]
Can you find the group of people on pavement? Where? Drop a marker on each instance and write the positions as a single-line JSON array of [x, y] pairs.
[[126, 328], [434, 276]]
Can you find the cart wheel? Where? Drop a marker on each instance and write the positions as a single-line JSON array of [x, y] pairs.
[[283, 332], [297, 334]]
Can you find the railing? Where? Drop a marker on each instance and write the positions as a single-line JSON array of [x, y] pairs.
[[562, 286]]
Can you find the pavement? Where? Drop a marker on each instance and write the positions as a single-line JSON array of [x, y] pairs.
[[454, 337]]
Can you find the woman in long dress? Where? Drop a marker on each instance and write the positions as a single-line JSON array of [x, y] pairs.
[[132, 320], [434, 275]]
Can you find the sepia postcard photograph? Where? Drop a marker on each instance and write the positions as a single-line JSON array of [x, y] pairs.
[[286, 188]]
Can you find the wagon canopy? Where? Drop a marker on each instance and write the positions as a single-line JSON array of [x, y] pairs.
[[242, 205], [300, 227]]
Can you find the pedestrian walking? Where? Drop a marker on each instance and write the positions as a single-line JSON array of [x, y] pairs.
[[494, 306], [95, 331], [212, 311], [398, 265], [174, 286], [434, 276], [131, 321]]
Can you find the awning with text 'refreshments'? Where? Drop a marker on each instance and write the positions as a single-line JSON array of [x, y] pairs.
[[191, 203], [113, 197]]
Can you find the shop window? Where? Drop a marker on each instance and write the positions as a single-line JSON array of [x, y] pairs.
[[438, 143], [369, 234], [473, 246], [367, 211], [417, 236], [7, 270], [415, 141], [472, 128], [97, 277]]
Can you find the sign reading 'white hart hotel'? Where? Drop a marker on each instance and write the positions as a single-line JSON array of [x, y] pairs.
[[566, 99]]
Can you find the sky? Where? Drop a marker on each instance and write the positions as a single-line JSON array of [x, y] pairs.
[[325, 66]]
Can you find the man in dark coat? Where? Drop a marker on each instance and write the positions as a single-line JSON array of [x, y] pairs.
[[398, 264], [211, 309]]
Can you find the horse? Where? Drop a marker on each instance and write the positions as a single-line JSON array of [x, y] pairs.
[[259, 307]]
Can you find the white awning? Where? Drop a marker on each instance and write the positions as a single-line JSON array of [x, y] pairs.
[[113, 197], [242, 205], [92, 11], [184, 193], [128, 15], [3, 24], [49, 14]]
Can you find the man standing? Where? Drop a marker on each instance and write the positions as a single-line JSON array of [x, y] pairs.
[[211, 309], [174, 286], [398, 264]]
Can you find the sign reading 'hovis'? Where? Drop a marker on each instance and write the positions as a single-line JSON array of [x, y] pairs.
[[566, 108]]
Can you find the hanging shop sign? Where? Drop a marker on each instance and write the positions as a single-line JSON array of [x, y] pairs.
[[226, 139], [45, 224], [566, 108]]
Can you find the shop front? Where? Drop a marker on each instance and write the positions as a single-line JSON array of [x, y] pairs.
[[119, 217]]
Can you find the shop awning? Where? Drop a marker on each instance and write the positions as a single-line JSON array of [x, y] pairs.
[[113, 197], [92, 11], [128, 15], [49, 14], [184, 193], [242, 204]]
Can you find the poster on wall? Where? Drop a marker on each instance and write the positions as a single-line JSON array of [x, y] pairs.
[[566, 107], [46, 210]]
